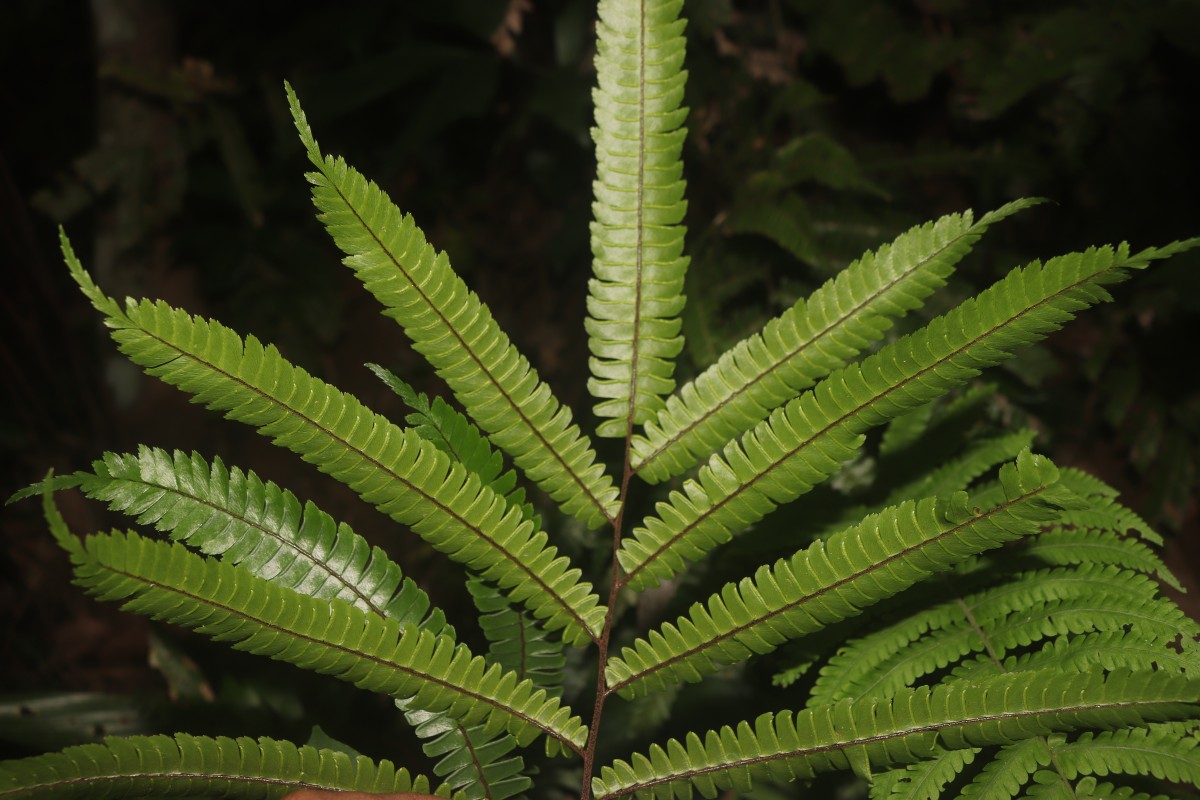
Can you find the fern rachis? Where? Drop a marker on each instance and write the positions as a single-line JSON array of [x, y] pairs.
[[1003, 616]]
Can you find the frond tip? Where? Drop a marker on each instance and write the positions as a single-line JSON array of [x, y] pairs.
[[637, 237], [457, 334]]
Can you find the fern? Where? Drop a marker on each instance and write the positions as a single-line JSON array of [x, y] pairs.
[[185, 765], [904, 727], [637, 239], [958, 616]]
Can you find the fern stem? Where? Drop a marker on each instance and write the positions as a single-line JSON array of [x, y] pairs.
[[616, 582]]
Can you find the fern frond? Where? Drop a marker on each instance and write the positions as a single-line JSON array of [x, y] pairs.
[[961, 471], [1105, 650], [470, 760], [807, 440], [199, 766], [225, 512], [1103, 512], [908, 726], [836, 578], [456, 333], [806, 342], [1005, 774], [396, 470], [1061, 547], [167, 582], [1162, 753], [457, 437], [924, 780], [515, 642], [1154, 620], [636, 295], [1023, 606]]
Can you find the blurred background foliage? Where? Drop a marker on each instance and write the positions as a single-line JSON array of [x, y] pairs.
[[157, 133]]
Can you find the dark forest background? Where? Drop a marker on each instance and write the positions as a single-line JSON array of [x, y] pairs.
[[157, 133]]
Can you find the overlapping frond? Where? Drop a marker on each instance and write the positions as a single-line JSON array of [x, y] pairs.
[[924, 780], [471, 761], [456, 436], [838, 577], [806, 342], [1159, 751], [457, 334], [200, 766], [167, 582], [1102, 511], [908, 726], [1035, 607], [1110, 650], [403, 475], [956, 474], [804, 442], [233, 514], [515, 641], [637, 237], [1006, 772], [1069, 546]]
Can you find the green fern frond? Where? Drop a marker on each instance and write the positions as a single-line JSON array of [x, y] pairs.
[[636, 295], [1162, 753], [199, 766], [459, 438], [1103, 512], [806, 342], [471, 761], [807, 440], [167, 582], [1026, 606], [1061, 547], [225, 512], [1153, 620], [456, 333], [836, 578], [905, 727], [1105, 650], [906, 430], [515, 642], [924, 780], [1008, 770], [961, 471], [396, 470]]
